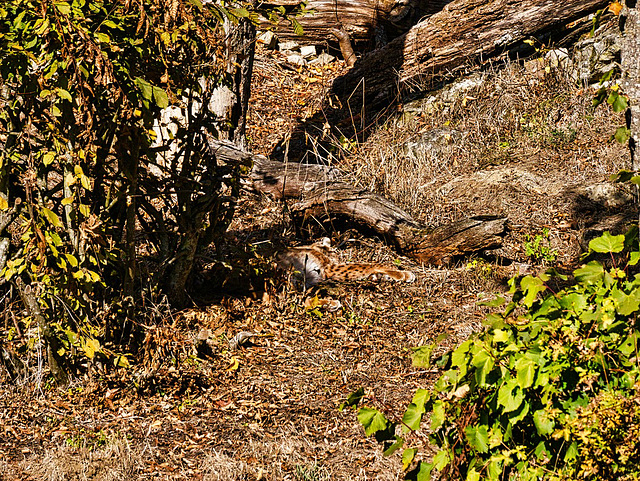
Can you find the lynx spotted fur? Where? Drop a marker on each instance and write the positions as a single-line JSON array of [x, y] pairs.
[[315, 265]]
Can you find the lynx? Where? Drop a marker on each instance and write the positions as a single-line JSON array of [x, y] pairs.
[[315, 265]]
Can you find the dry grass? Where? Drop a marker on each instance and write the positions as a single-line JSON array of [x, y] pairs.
[[542, 124], [296, 458], [115, 461], [293, 457]]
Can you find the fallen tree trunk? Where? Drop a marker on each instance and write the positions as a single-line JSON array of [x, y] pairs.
[[465, 32], [321, 195], [358, 18], [427, 245]]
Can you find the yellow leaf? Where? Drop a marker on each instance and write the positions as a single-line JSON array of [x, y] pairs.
[[90, 347], [63, 7], [52, 217], [86, 183], [234, 364], [41, 26], [311, 303], [121, 361], [48, 158], [95, 277], [67, 200], [84, 210], [3, 203], [72, 260], [64, 94], [69, 179]]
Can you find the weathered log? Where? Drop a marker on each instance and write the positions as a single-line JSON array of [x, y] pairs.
[[275, 178], [321, 195], [463, 33], [428, 245], [361, 19]]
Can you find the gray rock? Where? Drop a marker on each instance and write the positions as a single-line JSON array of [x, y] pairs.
[[431, 142], [296, 59], [322, 59], [308, 51], [593, 57], [558, 58], [507, 177], [447, 95], [288, 46], [606, 194], [268, 39]]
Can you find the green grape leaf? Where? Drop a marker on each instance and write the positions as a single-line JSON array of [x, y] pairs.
[[478, 437], [531, 286], [483, 363], [407, 457], [543, 421], [497, 302], [622, 135], [412, 417], [424, 471], [510, 396], [399, 442], [441, 459], [372, 420], [145, 88], [526, 372], [437, 415], [160, 97], [607, 243], [590, 273], [473, 475]]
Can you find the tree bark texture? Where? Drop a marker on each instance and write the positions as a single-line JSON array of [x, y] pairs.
[[361, 19], [57, 365], [230, 101], [436, 246], [630, 58], [320, 194], [463, 33]]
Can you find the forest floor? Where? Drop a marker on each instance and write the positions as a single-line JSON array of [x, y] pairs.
[[517, 141]]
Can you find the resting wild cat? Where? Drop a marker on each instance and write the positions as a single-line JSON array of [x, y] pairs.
[[315, 265]]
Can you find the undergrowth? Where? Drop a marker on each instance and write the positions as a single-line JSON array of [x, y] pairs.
[[550, 390]]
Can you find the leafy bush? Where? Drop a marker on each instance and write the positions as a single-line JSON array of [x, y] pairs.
[[550, 390], [89, 216]]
